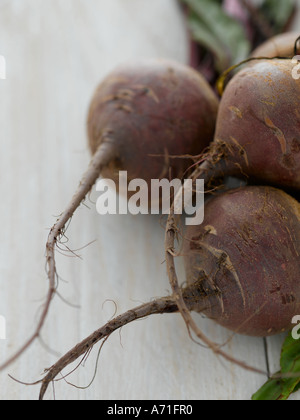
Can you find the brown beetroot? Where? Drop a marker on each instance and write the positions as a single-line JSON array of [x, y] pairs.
[[141, 115], [246, 256], [242, 271], [282, 45], [258, 127], [152, 111]]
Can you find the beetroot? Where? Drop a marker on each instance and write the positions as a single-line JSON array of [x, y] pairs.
[[258, 125], [282, 45], [151, 111], [242, 271], [141, 115], [246, 256]]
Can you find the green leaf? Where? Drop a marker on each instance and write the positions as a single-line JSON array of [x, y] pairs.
[[297, 388], [276, 390], [270, 391], [218, 32], [207, 39], [290, 355], [287, 381]]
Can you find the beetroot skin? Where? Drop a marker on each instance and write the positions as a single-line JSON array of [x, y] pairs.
[[152, 110], [282, 45], [246, 258], [258, 127]]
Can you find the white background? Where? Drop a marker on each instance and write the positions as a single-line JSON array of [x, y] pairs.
[[57, 51]]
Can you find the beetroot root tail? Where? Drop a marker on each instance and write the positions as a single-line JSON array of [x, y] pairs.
[[170, 236], [103, 156], [159, 306]]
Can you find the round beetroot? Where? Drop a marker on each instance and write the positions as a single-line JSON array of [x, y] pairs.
[[242, 271], [282, 45], [142, 115], [258, 127], [151, 111], [245, 259]]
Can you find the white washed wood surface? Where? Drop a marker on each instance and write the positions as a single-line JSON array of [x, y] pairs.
[[56, 53]]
